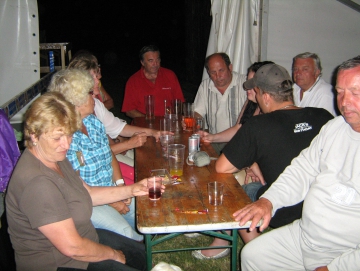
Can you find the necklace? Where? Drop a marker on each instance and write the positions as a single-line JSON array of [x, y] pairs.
[[286, 106]]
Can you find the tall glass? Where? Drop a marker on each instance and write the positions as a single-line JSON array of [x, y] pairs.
[[188, 109], [176, 159], [149, 106], [177, 107]]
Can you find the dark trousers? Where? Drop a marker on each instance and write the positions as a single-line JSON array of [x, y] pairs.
[[134, 253]]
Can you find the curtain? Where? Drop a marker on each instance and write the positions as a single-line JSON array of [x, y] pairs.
[[19, 43], [235, 31]]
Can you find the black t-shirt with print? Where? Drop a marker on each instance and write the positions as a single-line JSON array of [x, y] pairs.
[[272, 140]]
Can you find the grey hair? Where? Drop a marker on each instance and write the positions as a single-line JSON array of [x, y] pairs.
[[315, 57], [350, 64]]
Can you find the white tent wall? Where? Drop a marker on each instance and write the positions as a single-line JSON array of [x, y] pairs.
[[19, 43], [233, 32], [326, 27]]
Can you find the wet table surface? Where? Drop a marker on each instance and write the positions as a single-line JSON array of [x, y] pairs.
[[191, 194]]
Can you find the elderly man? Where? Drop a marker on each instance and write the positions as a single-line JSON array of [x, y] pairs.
[[221, 97], [310, 89], [326, 177], [271, 140], [151, 79]]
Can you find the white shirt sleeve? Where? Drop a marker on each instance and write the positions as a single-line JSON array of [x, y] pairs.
[[113, 125]]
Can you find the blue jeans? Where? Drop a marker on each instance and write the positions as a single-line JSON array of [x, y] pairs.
[[106, 217], [251, 189], [134, 253]]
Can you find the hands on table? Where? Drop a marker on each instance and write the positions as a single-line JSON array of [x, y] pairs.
[[256, 211]]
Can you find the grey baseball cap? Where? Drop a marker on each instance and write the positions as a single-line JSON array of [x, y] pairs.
[[270, 78]]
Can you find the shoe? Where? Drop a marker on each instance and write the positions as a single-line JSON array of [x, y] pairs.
[[198, 255], [192, 235]]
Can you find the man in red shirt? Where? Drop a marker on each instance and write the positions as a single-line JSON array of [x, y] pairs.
[[151, 79]]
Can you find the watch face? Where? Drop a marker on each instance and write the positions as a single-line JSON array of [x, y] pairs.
[[121, 181]]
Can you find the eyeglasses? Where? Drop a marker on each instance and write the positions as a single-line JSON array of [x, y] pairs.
[[91, 92]]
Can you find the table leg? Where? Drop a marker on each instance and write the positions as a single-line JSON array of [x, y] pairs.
[[234, 250], [148, 247]]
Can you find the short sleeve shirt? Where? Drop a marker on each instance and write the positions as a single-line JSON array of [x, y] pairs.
[[91, 155], [38, 196], [166, 87], [220, 111], [272, 140]]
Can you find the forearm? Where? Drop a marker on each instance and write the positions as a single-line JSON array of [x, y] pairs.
[[120, 147], [64, 236], [226, 135], [134, 113], [129, 130], [101, 195], [109, 103], [89, 251]]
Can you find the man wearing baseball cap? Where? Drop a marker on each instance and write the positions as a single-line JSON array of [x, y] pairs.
[[271, 140]]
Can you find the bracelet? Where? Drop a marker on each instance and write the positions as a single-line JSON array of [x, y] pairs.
[[120, 182]]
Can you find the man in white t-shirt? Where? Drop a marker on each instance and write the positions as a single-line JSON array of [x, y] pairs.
[[310, 90], [326, 176], [221, 97]]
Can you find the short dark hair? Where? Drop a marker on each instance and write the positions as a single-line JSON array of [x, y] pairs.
[[350, 64], [148, 48], [257, 65], [224, 56]]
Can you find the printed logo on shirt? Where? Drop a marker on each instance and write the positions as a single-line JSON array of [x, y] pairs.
[[302, 127], [167, 88]]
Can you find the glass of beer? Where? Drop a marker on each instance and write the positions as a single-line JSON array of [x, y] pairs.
[[176, 159]]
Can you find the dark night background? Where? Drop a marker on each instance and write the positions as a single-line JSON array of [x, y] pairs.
[[114, 31]]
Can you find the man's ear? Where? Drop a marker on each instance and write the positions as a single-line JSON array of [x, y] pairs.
[[266, 97], [230, 67], [317, 73], [142, 63]]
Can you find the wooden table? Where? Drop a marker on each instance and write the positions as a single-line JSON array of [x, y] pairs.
[[160, 217]]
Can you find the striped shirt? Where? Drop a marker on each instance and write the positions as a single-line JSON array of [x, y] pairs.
[[91, 156], [220, 111]]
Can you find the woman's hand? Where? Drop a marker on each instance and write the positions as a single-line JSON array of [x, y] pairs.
[[127, 201], [120, 206], [119, 256], [140, 188]]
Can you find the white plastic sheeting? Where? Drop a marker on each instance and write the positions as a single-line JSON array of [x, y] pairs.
[[233, 32], [325, 27], [19, 43]]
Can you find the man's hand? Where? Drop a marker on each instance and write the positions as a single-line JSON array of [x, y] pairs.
[[255, 211], [120, 206], [206, 137], [156, 134], [255, 174]]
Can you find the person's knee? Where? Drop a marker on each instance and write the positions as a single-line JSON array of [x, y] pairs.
[[249, 256]]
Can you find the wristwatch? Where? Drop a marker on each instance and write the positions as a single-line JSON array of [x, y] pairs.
[[120, 182]]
